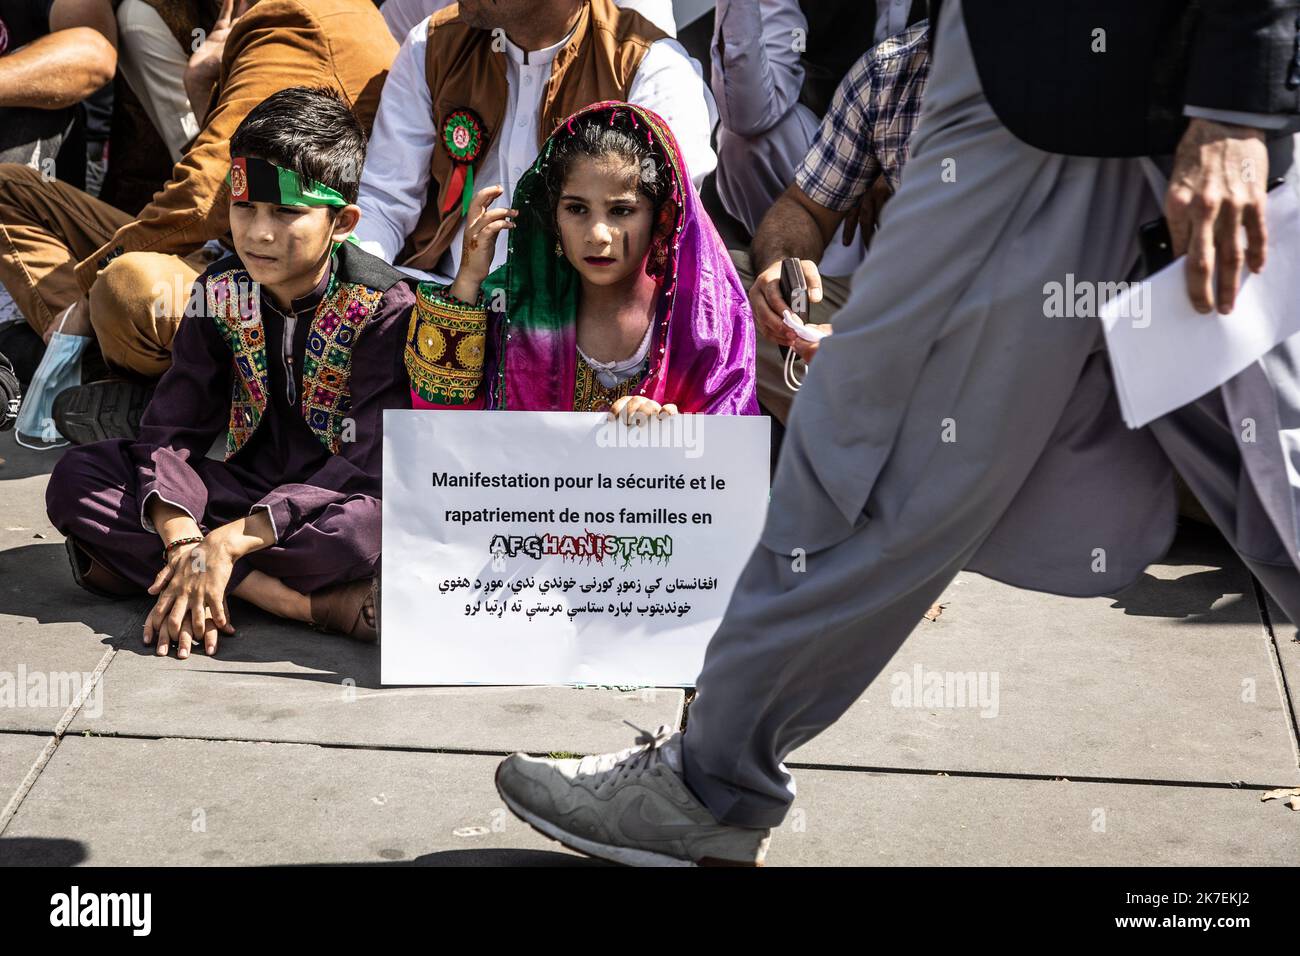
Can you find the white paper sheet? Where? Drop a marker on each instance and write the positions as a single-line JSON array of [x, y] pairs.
[[474, 596], [1165, 354]]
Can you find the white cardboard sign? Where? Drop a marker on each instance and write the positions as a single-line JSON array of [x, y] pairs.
[[563, 547]]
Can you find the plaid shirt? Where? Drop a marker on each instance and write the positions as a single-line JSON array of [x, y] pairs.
[[867, 130]]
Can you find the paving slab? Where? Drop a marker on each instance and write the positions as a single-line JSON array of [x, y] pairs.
[[117, 802], [283, 682], [1172, 679], [50, 629], [18, 752], [843, 817], [52, 635], [1287, 641]]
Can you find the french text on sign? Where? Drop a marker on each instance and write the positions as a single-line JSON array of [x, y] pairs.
[[561, 547]]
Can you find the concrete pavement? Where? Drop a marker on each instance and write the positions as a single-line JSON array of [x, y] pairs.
[[1016, 728]]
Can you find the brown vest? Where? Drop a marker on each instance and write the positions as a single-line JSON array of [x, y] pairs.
[[598, 63]]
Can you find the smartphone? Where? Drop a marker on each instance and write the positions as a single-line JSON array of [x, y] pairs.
[[794, 288]]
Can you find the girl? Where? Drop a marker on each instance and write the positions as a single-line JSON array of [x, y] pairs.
[[617, 294]]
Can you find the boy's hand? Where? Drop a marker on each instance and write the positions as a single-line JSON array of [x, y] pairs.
[[191, 591], [637, 409], [482, 226], [766, 302]]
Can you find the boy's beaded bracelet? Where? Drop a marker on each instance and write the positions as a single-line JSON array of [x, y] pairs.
[[192, 539]]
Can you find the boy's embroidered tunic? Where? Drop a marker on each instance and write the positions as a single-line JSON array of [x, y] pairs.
[[338, 322], [303, 430]]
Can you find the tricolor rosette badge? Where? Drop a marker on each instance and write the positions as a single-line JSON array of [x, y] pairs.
[[462, 135]]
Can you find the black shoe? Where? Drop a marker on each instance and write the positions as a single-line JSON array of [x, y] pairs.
[[106, 409], [24, 348], [11, 395]]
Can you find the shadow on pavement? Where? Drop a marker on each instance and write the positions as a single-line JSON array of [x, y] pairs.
[[41, 851], [486, 857], [1193, 595], [36, 582], [19, 462]]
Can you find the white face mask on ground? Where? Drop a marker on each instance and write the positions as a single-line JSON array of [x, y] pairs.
[[60, 369]]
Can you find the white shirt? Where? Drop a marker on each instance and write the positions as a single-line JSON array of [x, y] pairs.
[[891, 18], [757, 78], [401, 15], [154, 66], [395, 179]]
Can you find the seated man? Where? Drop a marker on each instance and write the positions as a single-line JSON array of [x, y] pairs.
[[475, 91], [125, 280], [53, 55], [775, 67], [293, 348], [863, 139], [402, 15], [154, 57]]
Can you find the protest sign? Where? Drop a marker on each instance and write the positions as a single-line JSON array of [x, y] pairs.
[[563, 547]]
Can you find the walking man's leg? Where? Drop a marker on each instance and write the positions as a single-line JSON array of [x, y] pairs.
[[919, 422]]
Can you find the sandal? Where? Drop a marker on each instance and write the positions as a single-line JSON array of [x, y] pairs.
[[341, 609]]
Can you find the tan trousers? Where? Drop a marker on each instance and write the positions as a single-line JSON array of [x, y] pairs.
[[773, 394], [46, 228]]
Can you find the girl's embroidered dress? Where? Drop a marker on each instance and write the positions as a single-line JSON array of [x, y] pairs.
[[517, 347]]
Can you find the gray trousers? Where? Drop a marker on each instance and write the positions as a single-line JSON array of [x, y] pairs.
[[875, 507]]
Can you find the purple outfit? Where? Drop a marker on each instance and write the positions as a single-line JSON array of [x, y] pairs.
[[702, 350], [325, 507]]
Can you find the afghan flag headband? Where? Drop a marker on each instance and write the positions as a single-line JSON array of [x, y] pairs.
[[258, 180], [462, 136]]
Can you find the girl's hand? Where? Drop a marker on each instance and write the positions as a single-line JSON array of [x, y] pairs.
[[480, 242], [637, 409]]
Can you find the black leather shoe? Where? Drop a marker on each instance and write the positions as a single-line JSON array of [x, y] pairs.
[[110, 408]]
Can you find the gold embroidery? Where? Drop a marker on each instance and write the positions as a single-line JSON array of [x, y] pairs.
[[590, 396], [444, 347]]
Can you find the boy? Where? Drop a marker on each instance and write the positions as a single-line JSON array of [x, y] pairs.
[[292, 347]]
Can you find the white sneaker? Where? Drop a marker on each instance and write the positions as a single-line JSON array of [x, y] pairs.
[[631, 807]]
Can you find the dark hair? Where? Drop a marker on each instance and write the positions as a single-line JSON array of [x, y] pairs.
[[595, 136], [308, 129]]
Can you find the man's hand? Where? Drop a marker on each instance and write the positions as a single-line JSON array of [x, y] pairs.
[[204, 68], [867, 215], [768, 306], [806, 349], [1218, 186]]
